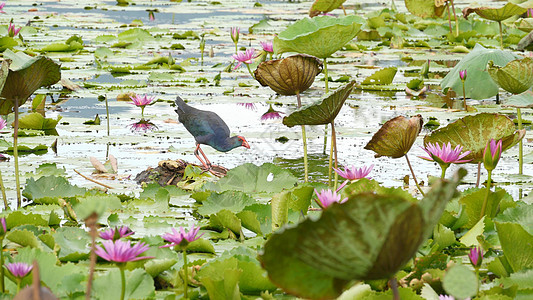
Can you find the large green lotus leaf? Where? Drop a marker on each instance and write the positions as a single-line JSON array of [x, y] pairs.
[[324, 6], [422, 8], [381, 77], [475, 63], [460, 282], [289, 76], [496, 14], [321, 112], [73, 243], [516, 77], [4, 71], [524, 100], [250, 178], [26, 75], [516, 244], [221, 279], [37, 121], [234, 201], [319, 36], [474, 132], [521, 214], [370, 236], [396, 137], [48, 189], [140, 285], [135, 35]]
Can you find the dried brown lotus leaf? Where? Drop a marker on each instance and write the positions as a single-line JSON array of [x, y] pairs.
[[396, 137]]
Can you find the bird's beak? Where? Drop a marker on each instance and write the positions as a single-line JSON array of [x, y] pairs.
[[245, 144]]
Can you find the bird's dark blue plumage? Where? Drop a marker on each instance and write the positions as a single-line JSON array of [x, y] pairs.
[[207, 127]]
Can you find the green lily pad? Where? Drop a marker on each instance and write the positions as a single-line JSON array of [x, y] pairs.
[[321, 112], [460, 282], [324, 6], [396, 137], [524, 100], [370, 236], [234, 201], [474, 132], [289, 76], [38, 122], [48, 188], [381, 77], [26, 75], [496, 14], [516, 243], [74, 43], [319, 36], [516, 77], [475, 63], [422, 8]]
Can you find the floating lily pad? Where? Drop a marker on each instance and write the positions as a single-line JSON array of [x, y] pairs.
[[26, 75], [524, 100], [516, 77], [381, 77], [475, 63], [422, 8], [319, 36], [370, 236], [324, 6], [38, 122], [289, 76], [323, 111], [396, 137], [474, 132], [495, 14]]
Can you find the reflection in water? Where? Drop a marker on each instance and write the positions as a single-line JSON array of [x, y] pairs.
[[250, 106], [271, 114], [142, 125]]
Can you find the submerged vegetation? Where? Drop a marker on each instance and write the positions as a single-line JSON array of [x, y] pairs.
[[387, 81]]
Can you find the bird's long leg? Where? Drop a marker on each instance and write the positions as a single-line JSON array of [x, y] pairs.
[[205, 157], [206, 166]]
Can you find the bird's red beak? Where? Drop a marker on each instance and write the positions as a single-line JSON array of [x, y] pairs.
[[245, 144]]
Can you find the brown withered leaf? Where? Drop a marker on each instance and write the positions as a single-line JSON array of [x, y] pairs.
[[289, 76], [396, 137]]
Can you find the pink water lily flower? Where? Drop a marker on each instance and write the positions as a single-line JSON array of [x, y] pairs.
[[267, 46], [3, 123], [476, 256], [445, 154], [492, 154], [244, 57], [121, 251], [116, 233], [12, 31], [19, 269], [328, 197], [141, 100], [181, 237], [353, 173], [2, 7]]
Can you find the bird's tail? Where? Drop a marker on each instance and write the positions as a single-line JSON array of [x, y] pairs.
[[181, 105]]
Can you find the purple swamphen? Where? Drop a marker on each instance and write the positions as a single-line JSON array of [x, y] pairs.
[[208, 129]]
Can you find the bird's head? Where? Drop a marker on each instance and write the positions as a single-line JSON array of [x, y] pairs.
[[243, 141]]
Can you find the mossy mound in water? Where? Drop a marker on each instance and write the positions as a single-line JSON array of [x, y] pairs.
[[170, 172]]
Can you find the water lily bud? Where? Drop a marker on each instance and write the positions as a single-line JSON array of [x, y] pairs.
[[492, 154], [476, 256], [234, 32], [462, 75]]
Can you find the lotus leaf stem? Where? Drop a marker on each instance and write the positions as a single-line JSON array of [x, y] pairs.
[[123, 282], [327, 90], [2, 288], [185, 277], [107, 113], [394, 287], [484, 207], [91, 223], [304, 138], [16, 153], [501, 34], [334, 144], [414, 177], [478, 173], [456, 21], [449, 17], [2, 187], [520, 145], [464, 95], [330, 165]]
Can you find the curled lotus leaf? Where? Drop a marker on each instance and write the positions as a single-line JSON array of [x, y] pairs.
[[26, 74], [289, 76], [370, 236], [324, 6], [495, 14], [474, 132], [396, 137], [323, 111], [516, 77], [319, 36], [524, 100]]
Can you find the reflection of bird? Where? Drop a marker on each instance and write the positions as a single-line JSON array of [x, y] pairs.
[[208, 129]]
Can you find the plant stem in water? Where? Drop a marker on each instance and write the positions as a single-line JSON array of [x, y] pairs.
[[394, 287], [456, 21], [414, 177], [123, 281], [484, 207], [2, 187], [107, 113], [249, 70], [520, 145], [304, 138], [449, 17], [464, 95], [2, 288], [442, 175], [478, 173], [186, 276], [334, 147], [16, 153], [91, 223], [501, 35], [326, 81]]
